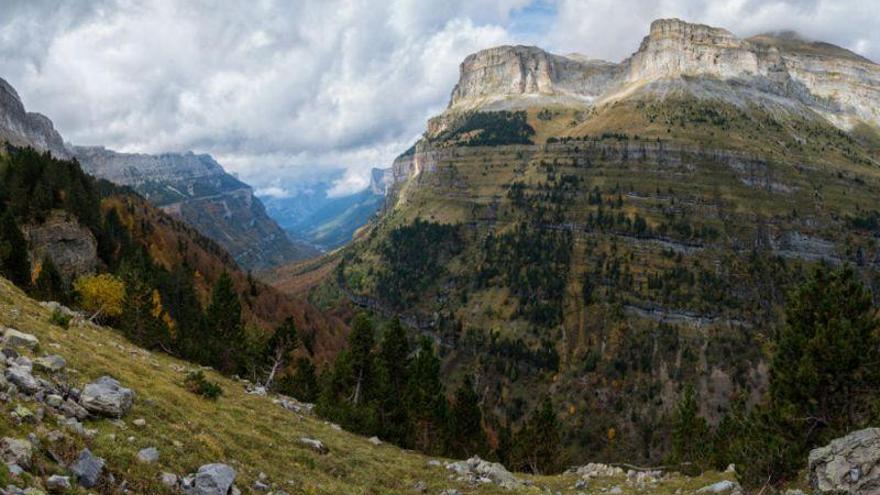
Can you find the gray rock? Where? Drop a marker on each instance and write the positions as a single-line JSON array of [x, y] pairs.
[[15, 338], [849, 464], [212, 479], [450, 491], [169, 480], [316, 445], [140, 422], [375, 441], [106, 397], [87, 468], [148, 455], [477, 470], [53, 363], [71, 409], [57, 484], [15, 451], [54, 400], [22, 379], [723, 486]]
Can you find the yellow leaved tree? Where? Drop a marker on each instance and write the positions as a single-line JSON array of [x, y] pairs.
[[102, 295]]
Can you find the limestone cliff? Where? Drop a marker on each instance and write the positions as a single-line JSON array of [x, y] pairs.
[[196, 189], [21, 128], [782, 68]]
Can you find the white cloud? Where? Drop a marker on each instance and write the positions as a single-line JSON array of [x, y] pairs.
[[278, 91]]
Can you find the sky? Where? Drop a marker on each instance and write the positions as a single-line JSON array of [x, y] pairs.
[[284, 91]]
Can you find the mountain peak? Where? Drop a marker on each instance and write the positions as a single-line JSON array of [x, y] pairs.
[[782, 68]]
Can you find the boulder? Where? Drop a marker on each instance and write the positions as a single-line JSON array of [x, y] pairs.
[[849, 464], [723, 486], [477, 470], [316, 445], [57, 484], [211, 479], [52, 364], [106, 397], [15, 451], [87, 468], [23, 379], [148, 455], [14, 338]]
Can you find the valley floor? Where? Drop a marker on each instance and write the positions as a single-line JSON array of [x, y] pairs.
[[253, 434]]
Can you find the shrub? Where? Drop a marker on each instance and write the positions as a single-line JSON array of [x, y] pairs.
[[60, 318], [197, 383]]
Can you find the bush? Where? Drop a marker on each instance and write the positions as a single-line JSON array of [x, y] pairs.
[[198, 384], [60, 318]]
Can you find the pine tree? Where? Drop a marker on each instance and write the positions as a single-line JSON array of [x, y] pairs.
[[283, 342], [465, 436], [537, 446], [360, 349], [690, 434], [49, 286], [303, 383], [425, 400], [825, 371], [227, 340], [392, 363], [14, 263]]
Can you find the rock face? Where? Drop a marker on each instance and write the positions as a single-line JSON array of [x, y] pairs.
[[196, 189], [822, 77], [850, 464], [72, 247], [22, 128]]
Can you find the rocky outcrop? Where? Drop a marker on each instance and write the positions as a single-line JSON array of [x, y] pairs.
[[380, 180], [678, 56], [196, 189], [22, 128], [71, 246], [849, 464]]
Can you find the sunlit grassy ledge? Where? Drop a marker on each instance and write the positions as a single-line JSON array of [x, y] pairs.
[[250, 433]]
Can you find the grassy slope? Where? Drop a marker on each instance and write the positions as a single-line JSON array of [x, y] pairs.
[[248, 432]]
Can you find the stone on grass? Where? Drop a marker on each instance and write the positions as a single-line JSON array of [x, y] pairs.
[[23, 379], [212, 479], [53, 363], [148, 455], [723, 486], [16, 451], [15, 338], [849, 464], [87, 468], [57, 483], [375, 441], [316, 445], [139, 422], [168, 479], [106, 397]]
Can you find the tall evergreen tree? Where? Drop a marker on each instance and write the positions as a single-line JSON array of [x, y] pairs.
[[14, 262], [223, 316], [425, 400], [690, 434], [825, 370], [303, 383], [280, 345], [392, 372], [465, 435], [538, 443]]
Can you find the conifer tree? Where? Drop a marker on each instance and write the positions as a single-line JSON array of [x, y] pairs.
[[825, 371], [49, 286], [425, 400], [537, 445], [14, 263], [226, 341], [392, 372], [465, 436], [283, 342], [690, 434], [303, 384]]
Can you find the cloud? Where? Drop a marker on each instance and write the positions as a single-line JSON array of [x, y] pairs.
[[281, 92]]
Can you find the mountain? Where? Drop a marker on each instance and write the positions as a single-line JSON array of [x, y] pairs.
[[324, 220], [609, 234], [22, 128], [196, 189]]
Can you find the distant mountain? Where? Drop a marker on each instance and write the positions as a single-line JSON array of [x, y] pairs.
[[196, 189], [326, 221], [21, 128]]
